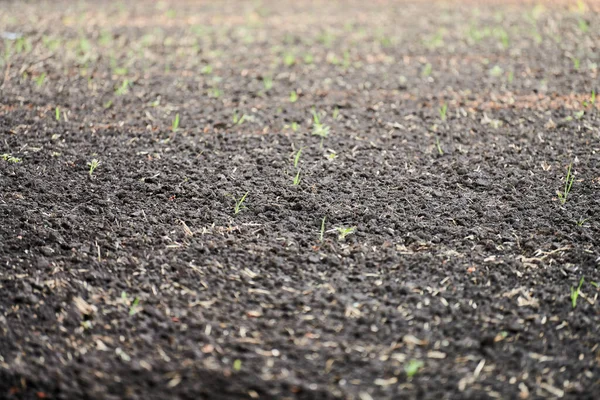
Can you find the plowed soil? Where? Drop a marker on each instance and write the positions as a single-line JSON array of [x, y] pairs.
[[417, 188]]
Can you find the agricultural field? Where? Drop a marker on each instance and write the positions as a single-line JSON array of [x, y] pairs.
[[319, 199]]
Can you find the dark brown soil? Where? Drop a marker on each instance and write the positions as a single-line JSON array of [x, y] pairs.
[[138, 280]]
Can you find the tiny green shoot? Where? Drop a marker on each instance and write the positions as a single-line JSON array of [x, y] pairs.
[[206, 70], [294, 126], [336, 114], [39, 81], [297, 178], [57, 113], [581, 221], [562, 196], [134, 306], [10, 159], [592, 101], [575, 292], [439, 146], [267, 83], [443, 111], [123, 89], [319, 129], [293, 96], [93, 165], [343, 232], [297, 157], [413, 367], [289, 59], [237, 120], [175, 123], [237, 365], [239, 204], [426, 71]]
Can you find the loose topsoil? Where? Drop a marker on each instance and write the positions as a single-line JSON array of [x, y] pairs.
[[418, 248]]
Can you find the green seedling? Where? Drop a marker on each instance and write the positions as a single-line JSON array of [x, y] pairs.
[[595, 284], [289, 59], [237, 120], [319, 129], [293, 96], [108, 104], [267, 83], [308, 59], [343, 232], [581, 221], [336, 114], [576, 63], [239, 204], [237, 365], [39, 81], [592, 100], [215, 92], [413, 367], [322, 233], [134, 306], [346, 61], [562, 196], [297, 157], [297, 178], [584, 27], [93, 165], [575, 292], [57, 113], [438, 146], [294, 126], [123, 89], [443, 111], [206, 70], [10, 159], [426, 71], [496, 71], [175, 123]]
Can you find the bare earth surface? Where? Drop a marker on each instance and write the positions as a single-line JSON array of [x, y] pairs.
[[417, 248]]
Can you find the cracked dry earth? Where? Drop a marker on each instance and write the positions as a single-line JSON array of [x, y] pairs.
[[420, 249]]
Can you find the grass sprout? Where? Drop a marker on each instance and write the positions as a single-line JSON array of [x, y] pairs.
[[297, 178], [39, 81], [239, 204], [267, 83], [134, 306], [439, 146], [10, 159], [443, 111], [562, 196], [293, 96], [322, 232], [175, 124], [123, 89], [575, 292], [319, 129], [345, 231], [413, 367], [297, 157], [237, 120], [93, 165]]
